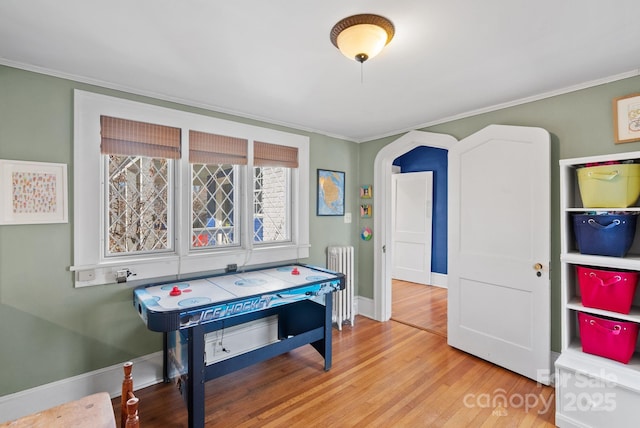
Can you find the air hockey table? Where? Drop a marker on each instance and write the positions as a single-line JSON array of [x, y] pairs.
[[185, 311]]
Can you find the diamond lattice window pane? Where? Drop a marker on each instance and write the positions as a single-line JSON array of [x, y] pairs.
[[271, 206], [138, 201], [213, 222]]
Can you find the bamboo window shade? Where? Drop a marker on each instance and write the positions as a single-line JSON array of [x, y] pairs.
[[266, 154], [132, 138], [205, 148]]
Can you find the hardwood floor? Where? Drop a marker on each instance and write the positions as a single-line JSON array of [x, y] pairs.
[[420, 306], [383, 375]]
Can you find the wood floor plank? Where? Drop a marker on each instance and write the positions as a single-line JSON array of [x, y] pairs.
[[399, 373], [420, 306], [383, 374]]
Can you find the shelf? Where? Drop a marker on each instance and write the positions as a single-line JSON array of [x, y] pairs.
[[630, 262], [583, 210], [578, 162], [576, 304], [582, 374], [627, 375]]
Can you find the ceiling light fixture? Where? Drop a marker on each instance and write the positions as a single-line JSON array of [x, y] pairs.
[[363, 36]]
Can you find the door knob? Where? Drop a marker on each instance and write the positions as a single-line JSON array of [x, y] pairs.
[[538, 268]]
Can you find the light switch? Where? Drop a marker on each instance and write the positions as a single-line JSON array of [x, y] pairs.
[[347, 217]]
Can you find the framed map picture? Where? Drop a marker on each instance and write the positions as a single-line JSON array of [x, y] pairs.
[[33, 192], [330, 192]]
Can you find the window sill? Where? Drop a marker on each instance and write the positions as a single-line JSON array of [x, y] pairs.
[[173, 267]]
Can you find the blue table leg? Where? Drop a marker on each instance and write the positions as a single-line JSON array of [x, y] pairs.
[[195, 382], [328, 330]]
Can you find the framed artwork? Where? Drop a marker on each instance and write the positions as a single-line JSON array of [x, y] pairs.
[[366, 234], [33, 192], [366, 192], [366, 210], [330, 192], [626, 118]]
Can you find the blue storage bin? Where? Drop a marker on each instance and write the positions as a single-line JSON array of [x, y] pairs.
[[604, 234]]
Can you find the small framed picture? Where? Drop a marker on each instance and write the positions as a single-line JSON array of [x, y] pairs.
[[626, 118], [33, 192], [330, 192], [366, 192], [366, 210]]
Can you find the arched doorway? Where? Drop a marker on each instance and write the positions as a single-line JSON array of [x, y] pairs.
[[382, 221]]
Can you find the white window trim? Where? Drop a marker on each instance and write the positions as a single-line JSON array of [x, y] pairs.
[[91, 267]]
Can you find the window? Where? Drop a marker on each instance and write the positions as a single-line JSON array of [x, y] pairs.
[[162, 193], [271, 196], [271, 204], [213, 221], [214, 163], [138, 177], [138, 201]]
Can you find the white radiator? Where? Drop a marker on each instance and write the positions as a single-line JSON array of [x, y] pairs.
[[340, 259]]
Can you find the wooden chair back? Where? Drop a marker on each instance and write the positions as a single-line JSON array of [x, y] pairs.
[[128, 401], [133, 421]]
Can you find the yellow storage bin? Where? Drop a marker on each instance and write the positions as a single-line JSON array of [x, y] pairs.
[[609, 186]]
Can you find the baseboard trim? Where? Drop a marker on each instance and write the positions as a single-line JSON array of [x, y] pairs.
[[147, 371], [439, 279], [365, 307]]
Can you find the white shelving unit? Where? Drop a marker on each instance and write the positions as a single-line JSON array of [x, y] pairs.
[[592, 391]]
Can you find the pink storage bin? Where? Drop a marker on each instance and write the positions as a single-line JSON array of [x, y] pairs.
[[608, 338], [607, 289]]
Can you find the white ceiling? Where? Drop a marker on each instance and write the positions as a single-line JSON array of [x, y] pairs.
[[272, 59]]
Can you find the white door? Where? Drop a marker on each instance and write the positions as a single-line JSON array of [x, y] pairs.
[[499, 244], [412, 212]]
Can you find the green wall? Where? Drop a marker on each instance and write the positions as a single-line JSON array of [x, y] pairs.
[[580, 124], [50, 330]]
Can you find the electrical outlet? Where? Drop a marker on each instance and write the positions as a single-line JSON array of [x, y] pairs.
[[121, 275], [86, 275]]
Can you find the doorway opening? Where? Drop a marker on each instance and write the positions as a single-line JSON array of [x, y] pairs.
[[420, 306], [382, 222]]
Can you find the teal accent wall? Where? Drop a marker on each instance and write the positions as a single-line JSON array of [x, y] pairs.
[[580, 124], [50, 330]]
